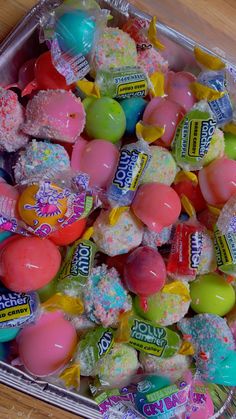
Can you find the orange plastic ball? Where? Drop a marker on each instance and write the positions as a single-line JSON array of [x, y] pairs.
[[44, 204]]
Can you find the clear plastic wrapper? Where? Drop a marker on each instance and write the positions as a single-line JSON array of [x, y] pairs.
[[73, 34], [118, 83], [77, 267], [17, 309], [148, 337], [43, 207], [193, 137], [134, 159]]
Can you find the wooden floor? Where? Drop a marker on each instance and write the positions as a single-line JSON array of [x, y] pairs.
[[211, 22]]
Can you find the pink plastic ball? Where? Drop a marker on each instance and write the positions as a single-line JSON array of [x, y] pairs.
[[29, 263], [47, 345], [157, 205], [178, 88], [218, 181], [144, 271], [97, 158], [164, 113]]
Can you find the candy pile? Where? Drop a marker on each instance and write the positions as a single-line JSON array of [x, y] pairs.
[[118, 218]]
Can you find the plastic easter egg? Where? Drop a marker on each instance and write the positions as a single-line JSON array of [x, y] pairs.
[[75, 31], [68, 234], [200, 404], [133, 109], [225, 374], [217, 181], [29, 263], [98, 158], [4, 235], [77, 152], [105, 119], [8, 334], [178, 88], [156, 205], [26, 73], [144, 272], [165, 113], [47, 345], [230, 145], [45, 76], [48, 290], [193, 193], [42, 205], [222, 295], [147, 386]]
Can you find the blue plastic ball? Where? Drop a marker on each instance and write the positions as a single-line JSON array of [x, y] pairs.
[[133, 109], [147, 386], [75, 32]]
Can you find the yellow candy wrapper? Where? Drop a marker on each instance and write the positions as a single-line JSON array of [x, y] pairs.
[[70, 305], [209, 61]]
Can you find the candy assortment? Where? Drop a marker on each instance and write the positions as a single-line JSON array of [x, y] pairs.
[[117, 217]]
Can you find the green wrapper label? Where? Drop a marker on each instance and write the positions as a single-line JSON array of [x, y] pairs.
[[123, 82], [78, 262], [225, 248], [193, 137], [94, 346], [155, 340]]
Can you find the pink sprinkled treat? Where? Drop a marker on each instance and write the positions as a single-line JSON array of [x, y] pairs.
[[11, 117], [151, 61], [55, 114]]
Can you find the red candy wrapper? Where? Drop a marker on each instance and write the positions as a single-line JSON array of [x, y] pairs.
[[185, 252]]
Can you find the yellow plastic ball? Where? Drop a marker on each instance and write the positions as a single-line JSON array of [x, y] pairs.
[[42, 204]]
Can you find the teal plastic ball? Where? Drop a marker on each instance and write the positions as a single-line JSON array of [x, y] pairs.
[[8, 334], [105, 120], [75, 31], [133, 109]]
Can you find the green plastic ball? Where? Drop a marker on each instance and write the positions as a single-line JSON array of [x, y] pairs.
[[105, 119], [212, 294], [48, 291], [87, 102], [230, 145]]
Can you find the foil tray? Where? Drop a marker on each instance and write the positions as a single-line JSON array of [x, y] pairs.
[[23, 44]]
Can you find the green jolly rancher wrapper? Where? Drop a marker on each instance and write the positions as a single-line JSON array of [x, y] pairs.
[[193, 137], [225, 250], [77, 266], [94, 346], [147, 337]]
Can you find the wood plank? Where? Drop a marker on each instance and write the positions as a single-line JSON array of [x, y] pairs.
[[14, 405]]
